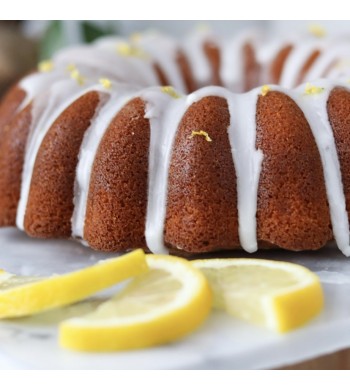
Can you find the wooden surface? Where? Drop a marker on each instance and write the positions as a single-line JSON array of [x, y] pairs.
[[335, 361]]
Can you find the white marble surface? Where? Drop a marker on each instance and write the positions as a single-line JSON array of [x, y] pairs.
[[222, 342]]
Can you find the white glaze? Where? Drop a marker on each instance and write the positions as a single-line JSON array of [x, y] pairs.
[[199, 62], [232, 71], [328, 59], [165, 114], [267, 52], [296, 60], [270, 46], [340, 70], [248, 162], [164, 51], [315, 110], [37, 83], [143, 66], [101, 63], [110, 43], [92, 63]]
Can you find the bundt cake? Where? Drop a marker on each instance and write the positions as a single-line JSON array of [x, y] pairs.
[[97, 146]]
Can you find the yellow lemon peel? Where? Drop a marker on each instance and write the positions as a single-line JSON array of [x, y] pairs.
[[75, 75], [342, 64], [126, 50], [265, 89], [278, 295], [203, 27], [135, 37], [45, 66], [167, 303], [21, 296], [106, 83], [312, 89], [201, 133], [71, 67], [170, 91], [317, 30]]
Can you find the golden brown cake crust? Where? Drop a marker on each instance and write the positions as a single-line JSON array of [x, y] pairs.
[[50, 201], [186, 71], [184, 68], [292, 203], [117, 201], [212, 51], [338, 107], [202, 198], [278, 63], [251, 66], [307, 65], [10, 103], [161, 75], [12, 145]]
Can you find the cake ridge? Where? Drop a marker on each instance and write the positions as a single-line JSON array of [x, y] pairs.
[[60, 96], [118, 97]]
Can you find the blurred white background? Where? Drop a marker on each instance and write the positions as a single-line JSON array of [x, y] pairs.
[[24, 43], [36, 28]]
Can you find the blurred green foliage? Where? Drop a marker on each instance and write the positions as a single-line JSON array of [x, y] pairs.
[[56, 38]]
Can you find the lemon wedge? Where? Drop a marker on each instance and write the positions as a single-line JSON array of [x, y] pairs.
[[163, 305], [20, 296], [278, 295]]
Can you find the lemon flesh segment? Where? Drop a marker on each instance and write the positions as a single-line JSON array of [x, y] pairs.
[[21, 296], [163, 305], [278, 295]]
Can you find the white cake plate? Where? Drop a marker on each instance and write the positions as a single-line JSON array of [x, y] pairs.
[[222, 343]]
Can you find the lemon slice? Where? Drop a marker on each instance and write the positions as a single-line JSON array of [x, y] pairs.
[[163, 305], [278, 295], [20, 296]]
